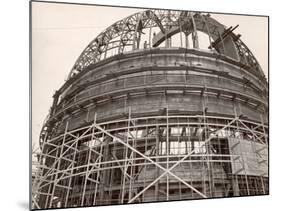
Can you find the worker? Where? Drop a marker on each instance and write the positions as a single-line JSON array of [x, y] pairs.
[[145, 44]]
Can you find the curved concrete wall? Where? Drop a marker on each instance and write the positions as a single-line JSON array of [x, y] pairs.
[[148, 81]]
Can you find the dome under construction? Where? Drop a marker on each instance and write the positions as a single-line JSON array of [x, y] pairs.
[[162, 105]]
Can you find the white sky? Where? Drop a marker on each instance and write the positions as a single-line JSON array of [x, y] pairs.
[[60, 32]]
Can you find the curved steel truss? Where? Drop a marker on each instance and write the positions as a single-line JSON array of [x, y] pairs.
[[159, 26]]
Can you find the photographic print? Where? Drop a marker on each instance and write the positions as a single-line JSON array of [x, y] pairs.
[[135, 105]]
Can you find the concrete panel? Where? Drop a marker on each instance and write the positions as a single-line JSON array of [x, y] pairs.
[[249, 157]]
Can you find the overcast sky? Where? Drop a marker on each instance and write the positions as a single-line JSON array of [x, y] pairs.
[[60, 32]]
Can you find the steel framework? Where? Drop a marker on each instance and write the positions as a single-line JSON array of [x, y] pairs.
[[140, 122]]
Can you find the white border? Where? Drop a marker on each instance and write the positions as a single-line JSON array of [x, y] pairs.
[[15, 101]]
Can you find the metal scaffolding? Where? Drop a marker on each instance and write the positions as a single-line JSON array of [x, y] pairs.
[[151, 159]]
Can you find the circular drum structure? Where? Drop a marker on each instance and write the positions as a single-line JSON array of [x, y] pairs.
[[147, 115]]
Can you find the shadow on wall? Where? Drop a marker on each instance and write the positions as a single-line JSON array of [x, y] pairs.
[[23, 204]]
